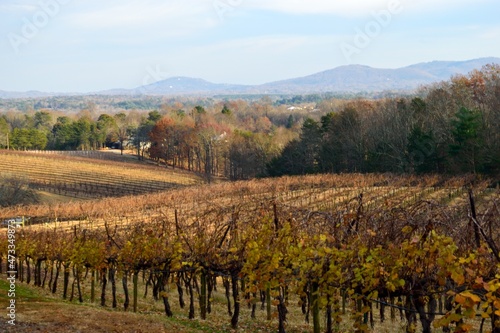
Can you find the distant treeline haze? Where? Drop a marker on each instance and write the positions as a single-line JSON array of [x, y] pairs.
[[450, 127]]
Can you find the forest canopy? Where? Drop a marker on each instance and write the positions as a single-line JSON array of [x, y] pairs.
[[449, 127]]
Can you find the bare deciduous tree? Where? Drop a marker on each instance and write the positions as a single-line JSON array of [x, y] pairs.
[[15, 191]]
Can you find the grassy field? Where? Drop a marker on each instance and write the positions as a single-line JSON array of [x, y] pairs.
[[40, 311]]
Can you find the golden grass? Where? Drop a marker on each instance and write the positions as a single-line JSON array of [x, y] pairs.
[[40, 311]]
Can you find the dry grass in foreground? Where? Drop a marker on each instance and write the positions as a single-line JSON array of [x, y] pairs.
[[39, 311]]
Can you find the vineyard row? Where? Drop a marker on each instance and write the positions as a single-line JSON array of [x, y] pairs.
[[438, 264]]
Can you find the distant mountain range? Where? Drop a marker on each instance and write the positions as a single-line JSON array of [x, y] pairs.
[[358, 78], [343, 79]]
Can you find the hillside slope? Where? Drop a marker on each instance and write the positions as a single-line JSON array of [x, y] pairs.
[[79, 177]]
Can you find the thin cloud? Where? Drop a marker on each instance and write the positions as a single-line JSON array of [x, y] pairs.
[[143, 13], [251, 41], [266, 44], [316, 6], [491, 33], [17, 8], [350, 8]]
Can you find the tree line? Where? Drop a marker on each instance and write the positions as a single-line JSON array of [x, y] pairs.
[[235, 139], [449, 127], [453, 127]]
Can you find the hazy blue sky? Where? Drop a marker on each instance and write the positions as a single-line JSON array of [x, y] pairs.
[[90, 45]]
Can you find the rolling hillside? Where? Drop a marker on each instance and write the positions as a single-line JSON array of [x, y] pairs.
[[80, 177], [310, 238]]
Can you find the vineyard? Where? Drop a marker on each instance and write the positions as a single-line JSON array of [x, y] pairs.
[[89, 176], [346, 253]]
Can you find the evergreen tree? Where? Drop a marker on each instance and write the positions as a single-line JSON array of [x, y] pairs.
[[27, 139], [465, 151], [226, 111], [422, 152], [301, 156]]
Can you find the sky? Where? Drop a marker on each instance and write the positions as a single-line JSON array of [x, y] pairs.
[[93, 45]]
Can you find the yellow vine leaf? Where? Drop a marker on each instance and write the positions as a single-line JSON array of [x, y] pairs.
[[458, 278], [460, 299], [471, 296]]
